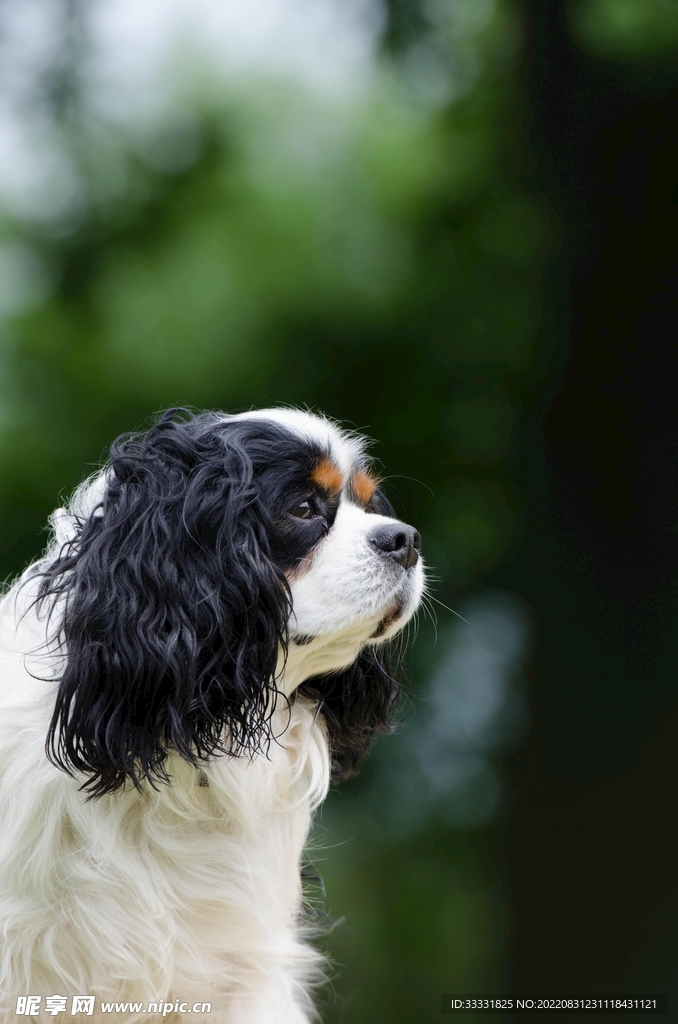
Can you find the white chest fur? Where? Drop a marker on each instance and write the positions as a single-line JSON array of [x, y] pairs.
[[188, 892]]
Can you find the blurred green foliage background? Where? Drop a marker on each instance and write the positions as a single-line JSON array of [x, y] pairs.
[[382, 254]]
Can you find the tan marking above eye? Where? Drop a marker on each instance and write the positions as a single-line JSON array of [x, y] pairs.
[[363, 486], [327, 476]]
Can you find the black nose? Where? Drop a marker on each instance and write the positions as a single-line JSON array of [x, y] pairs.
[[400, 542]]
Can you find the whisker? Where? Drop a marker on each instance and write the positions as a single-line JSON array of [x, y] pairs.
[[401, 476], [428, 609], [446, 606]]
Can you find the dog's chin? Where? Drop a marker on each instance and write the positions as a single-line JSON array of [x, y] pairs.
[[396, 617], [390, 620], [396, 614]]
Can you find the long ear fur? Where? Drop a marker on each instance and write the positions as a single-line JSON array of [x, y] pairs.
[[356, 704], [171, 614]]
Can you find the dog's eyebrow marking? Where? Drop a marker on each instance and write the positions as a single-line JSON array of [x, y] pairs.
[[327, 476], [363, 486]]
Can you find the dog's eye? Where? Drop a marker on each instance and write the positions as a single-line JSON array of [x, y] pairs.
[[304, 510]]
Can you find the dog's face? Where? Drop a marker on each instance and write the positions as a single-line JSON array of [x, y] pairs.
[[217, 563], [354, 570]]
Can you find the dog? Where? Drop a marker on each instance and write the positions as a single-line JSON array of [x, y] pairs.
[[202, 647]]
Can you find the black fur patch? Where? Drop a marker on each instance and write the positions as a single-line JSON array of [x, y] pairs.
[[356, 703]]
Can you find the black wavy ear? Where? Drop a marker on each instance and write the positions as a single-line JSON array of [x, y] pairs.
[[171, 613], [356, 704]]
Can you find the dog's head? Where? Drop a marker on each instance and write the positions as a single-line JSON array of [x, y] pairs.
[[217, 566]]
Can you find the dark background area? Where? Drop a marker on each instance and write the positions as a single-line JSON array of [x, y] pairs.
[[591, 858]]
